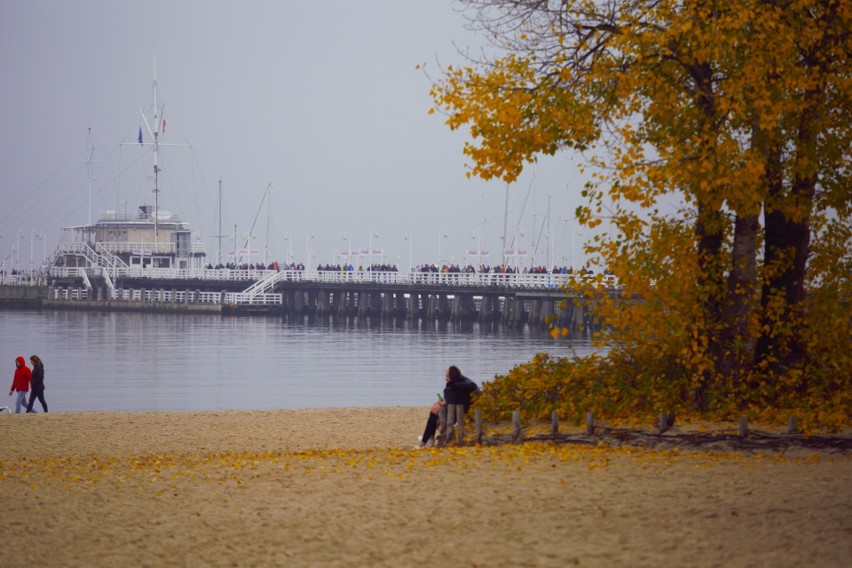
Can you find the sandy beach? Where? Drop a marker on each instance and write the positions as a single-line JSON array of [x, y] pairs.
[[341, 487]]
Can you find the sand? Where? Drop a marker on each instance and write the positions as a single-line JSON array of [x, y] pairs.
[[341, 487]]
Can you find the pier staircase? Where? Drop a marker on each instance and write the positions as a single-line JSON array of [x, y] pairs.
[[258, 293], [98, 260]]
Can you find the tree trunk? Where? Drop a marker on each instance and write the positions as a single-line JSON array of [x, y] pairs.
[[710, 235], [737, 347], [787, 247]]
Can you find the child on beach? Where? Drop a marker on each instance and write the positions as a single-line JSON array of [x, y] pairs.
[[21, 383]]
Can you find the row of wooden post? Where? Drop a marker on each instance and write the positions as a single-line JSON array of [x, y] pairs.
[[451, 419]]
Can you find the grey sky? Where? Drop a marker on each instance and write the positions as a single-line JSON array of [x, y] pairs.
[[322, 99]]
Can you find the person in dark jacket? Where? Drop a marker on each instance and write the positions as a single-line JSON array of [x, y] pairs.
[[37, 384], [457, 391]]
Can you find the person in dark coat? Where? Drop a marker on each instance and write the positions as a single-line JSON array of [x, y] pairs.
[[37, 384], [457, 391]]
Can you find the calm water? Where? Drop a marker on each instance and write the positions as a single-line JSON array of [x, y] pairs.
[[152, 362]]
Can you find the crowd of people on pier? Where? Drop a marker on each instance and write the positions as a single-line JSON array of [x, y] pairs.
[[424, 268]]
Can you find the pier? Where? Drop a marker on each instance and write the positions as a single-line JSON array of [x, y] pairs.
[[513, 299]]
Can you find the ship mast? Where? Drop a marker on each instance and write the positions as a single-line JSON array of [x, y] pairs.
[[156, 168], [155, 135]]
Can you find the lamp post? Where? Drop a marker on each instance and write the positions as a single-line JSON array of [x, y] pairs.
[[477, 236], [248, 236], [347, 237], [308, 236], [548, 234], [43, 238], [289, 248], [573, 258], [18, 247], [32, 238], [516, 241], [373, 233], [442, 234], [409, 236]]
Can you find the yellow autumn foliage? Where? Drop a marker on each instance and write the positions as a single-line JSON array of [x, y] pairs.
[[717, 136]]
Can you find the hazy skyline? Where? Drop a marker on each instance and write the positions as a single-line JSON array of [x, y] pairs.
[[322, 99]]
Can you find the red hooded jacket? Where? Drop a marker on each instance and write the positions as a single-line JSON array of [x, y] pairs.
[[21, 382]]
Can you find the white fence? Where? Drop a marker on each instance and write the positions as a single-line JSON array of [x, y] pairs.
[[171, 296], [456, 279]]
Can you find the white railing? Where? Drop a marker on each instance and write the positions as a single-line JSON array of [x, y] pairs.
[[243, 298], [70, 294], [107, 258], [147, 247], [20, 279], [453, 279]]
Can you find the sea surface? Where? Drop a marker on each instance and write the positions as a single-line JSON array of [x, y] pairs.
[[110, 361]]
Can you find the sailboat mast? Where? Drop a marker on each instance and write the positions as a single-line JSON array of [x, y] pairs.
[[219, 256], [90, 152], [268, 222], [505, 223]]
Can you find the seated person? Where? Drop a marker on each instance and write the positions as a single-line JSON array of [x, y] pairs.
[[457, 391]]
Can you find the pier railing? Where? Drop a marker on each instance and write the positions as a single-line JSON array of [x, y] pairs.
[[537, 281], [170, 296]]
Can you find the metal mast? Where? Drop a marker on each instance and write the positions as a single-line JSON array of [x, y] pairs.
[[505, 223], [219, 256], [90, 152], [156, 168], [268, 222]]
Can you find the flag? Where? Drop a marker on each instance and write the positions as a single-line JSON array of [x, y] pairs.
[[164, 126], [140, 135]]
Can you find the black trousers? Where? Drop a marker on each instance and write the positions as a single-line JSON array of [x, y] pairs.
[[40, 396], [431, 426]]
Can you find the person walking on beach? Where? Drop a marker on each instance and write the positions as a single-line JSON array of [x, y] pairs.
[[20, 384], [37, 383], [457, 391]]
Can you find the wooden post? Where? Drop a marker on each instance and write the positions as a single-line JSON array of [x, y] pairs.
[[460, 425], [664, 422], [452, 414], [743, 427], [516, 425], [590, 423], [442, 432], [478, 417], [793, 425], [554, 423]]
